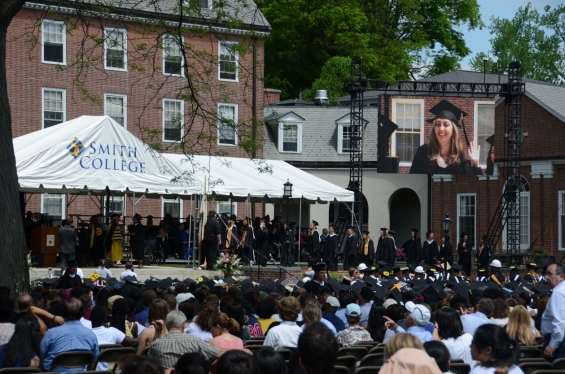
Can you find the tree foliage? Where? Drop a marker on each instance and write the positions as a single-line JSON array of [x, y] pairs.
[[391, 36], [334, 73], [522, 39]]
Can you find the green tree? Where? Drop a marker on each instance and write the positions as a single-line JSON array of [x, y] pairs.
[[554, 19], [334, 73], [522, 39], [390, 35]]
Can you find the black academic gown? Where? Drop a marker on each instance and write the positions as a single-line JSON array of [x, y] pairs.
[[137, 241], [313, 245], [465, 256], [483, 256], [446, 252], [389, 247], [431, 252], [350, 253], [233, 242], [248, 245], [312, 287], [422, 165], [332, 251], [262, 246], [97, 252], [368, 258], [287, 251], [380, 252], [66, 281], [414, 252]]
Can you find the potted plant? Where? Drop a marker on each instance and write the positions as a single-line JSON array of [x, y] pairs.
[[228, 264], [540, 255]]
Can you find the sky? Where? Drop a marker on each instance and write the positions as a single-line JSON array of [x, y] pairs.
[[478, 40]]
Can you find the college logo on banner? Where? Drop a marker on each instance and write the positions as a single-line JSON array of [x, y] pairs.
[[75, 148]]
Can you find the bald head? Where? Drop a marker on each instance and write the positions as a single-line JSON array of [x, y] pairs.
[[24, 303], [74, 310]]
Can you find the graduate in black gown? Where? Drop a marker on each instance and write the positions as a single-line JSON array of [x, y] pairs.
[[97, 251], [262, 243], [231, 242], [431, 249], [313, 243], [482, 257], [367, 250], [332, 249], [380, 252], [464, 249], [390, 249], [287, 250], [351, 250], [446, 252], [318, 281], [247, 242], [413, 249], [137, 240]]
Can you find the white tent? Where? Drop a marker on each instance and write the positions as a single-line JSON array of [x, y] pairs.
[[241, 177], [93, 154]]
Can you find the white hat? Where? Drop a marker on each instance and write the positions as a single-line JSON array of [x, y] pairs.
[[334, 302], [389, 302], [306, 279], [420, 313], [419, 270], [183, 297], [496, 264], [362, 267]]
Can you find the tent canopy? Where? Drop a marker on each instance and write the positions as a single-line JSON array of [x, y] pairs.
[[238, 178], [93, 154]]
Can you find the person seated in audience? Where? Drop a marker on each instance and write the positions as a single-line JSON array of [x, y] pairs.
[[128, 273], [71, 336], [519, 328], [102, 270], [236, 362], [265, 311], [201, 326], [158, 310], [286, 334], [496, 352], [317, 349], [270, 362], [223, 330], [449, 330], [399, 341], [193, 363], [354, 333], [132, 364], [417, 319], [439, 352], [70, 277], [22, 350], [410, 361], [376, 324]]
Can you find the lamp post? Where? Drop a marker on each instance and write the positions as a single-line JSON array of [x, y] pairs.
[[485, 60], [287, 194], [446, 225]]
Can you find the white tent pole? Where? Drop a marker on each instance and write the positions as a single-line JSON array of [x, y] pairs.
[[190, 234], [299, 230]]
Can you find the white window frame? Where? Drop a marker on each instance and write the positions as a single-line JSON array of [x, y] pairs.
[[115, 198], [220, 43], [280, 144], [236, 114], [64, 98], [166, 36], [64, 37], [125, 106], [340, 128], [63, 204], [560, 212], [476, 134], [174, 201], [459, 231], [225, 203], [107, 31], [523, 194], [181, 119], [422, 123]]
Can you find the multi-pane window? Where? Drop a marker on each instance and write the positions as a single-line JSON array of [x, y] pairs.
[[115, 106], [524, 220], [53, 206], [227, 124], [173, 111], [227, 207], [466, 215], [54, 39], [561, 217], [345, 138], [172, 55], [115, 49], [290, 138], [408, 115], [53, 107], [117, 205], [228, 61], [173, 207], [484, 117]]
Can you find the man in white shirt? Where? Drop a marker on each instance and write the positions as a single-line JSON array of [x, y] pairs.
[[553, 319], [364, 300], [484, 310], [128, 273], [102, 271], [287, 332]]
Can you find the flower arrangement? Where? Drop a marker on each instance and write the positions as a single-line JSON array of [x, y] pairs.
[[228, 264], [400, 255]]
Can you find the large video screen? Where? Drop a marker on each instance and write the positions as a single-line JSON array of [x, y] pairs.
[[430, 136]]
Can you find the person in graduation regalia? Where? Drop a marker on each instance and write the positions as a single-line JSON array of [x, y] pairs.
[[318, 281], [351, 250], [262, 246], [495, 273], [332, 249], [413, 249], [446, 252], [482, 257], [390, 249], [231, 242], [513, 276], [530, 275], [431, 249], [137, 240], [97, 235], [287, 255], [379, 253], [247, 242], [464, 249], [367, 250], [313, 243]]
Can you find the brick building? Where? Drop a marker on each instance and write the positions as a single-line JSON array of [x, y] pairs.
[[190, 83]]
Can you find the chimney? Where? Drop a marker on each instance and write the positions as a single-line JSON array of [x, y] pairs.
[[321, 98], [271, 96]]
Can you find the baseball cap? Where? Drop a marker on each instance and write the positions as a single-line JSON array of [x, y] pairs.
[[334, 302], [353, 310], [420, 313]]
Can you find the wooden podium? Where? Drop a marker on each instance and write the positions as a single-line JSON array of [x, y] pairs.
[[45, 241]]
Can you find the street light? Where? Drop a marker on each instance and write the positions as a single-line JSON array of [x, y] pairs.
[[446, 223], [287, 193], [287, 190]]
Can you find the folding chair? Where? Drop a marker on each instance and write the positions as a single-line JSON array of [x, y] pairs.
[[357, 352], [348, 361], [530, 367], [530, 352], [341, 370], [559, 364], [374, 359], [460, 368], [112, 356], [367, 344], [73, 359], [368, 370], [285, 352], [106, 346], [457, 361], [255, 348], [530, 359], [548, 372], [254, 342], [377, 349], [19, 370]]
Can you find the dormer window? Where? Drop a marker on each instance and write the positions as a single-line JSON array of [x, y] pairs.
[[344, 134], [288, 131]]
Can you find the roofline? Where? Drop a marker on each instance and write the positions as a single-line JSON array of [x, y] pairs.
[[139, 15], [545, 106]]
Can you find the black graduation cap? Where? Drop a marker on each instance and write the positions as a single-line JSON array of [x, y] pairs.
[[268, 286], [366, 232], [151, 284], [340, 287], [315, 223], [491, 284], [372, 282], [48, 282], [451, 283], [246, 285], [512, 285], [230, 280], [381, 264], [384, 229], [425, 266], [415, 230], [482, 271], [457, 267], [412, 267], [88, 283], [463, 289], [300, 284], [388, 283], [397, 295], [319, 267], [279, 288], [72, 263], [446, 110], [541, 289], [396, 268], [356, 287], [391, 232], [386, 127], [531, 264], [429, 294], [380, 292], [210, 284], [490, 140]]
